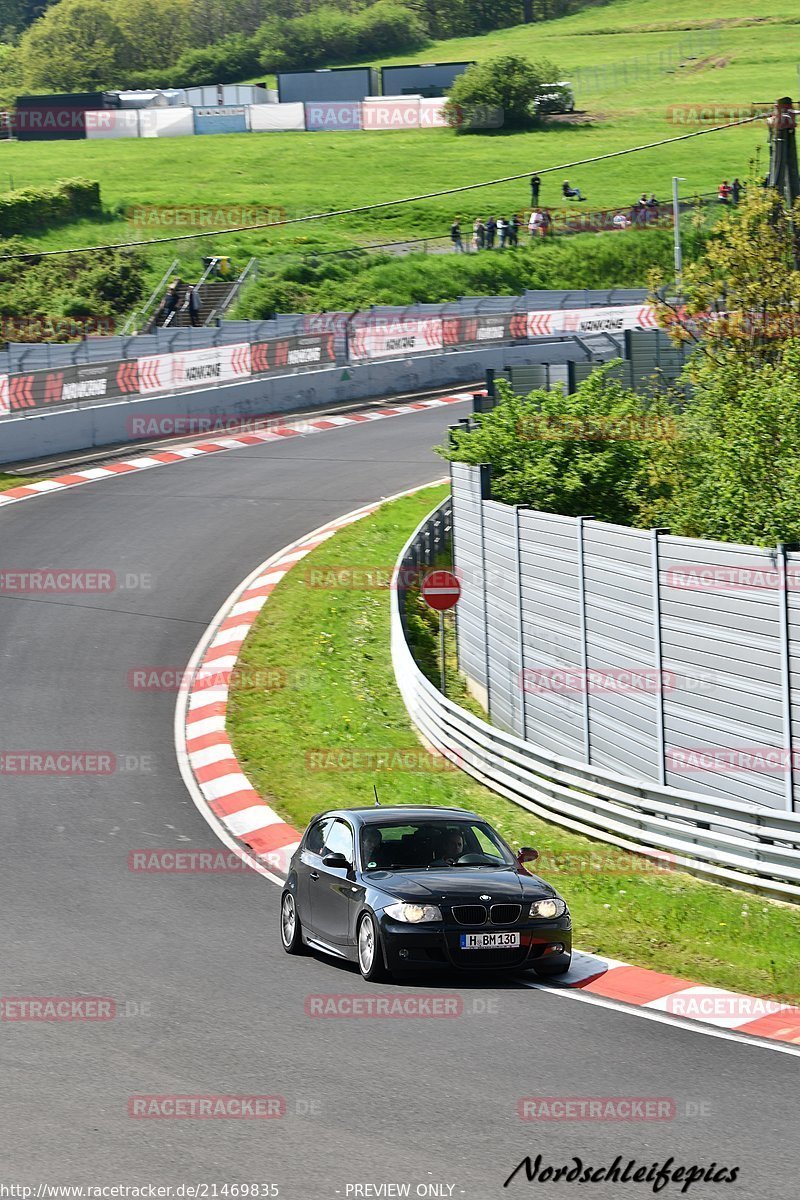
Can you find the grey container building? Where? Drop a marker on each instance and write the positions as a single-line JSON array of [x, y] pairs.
[[421, 79], [333, 83]]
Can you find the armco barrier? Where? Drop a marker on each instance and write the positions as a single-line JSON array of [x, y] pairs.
[[42, 433], [142, 365], [729, 841]]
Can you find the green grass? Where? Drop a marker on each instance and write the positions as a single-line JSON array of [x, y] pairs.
[[12, 481], [341, 695], [612, 259], [307, 173]]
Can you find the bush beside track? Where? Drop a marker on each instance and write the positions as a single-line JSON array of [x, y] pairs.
[[316, 743]]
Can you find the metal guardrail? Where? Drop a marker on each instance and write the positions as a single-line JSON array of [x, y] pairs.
[[31, 356], [250, 270], [138, 319], [729, 841]]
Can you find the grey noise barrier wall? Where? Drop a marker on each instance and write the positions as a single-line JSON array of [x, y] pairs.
[[525, 755], [667, 659]]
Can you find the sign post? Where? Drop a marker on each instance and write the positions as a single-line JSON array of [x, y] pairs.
[[441, 591]]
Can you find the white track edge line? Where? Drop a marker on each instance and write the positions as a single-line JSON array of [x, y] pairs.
[[653, 1014], [182, 755], [188, 678]]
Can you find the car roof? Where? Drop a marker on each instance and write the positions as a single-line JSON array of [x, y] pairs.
[[381, 814]]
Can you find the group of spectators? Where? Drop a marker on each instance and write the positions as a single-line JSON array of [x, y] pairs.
[[501, 231], [730, 193], [179, 297]]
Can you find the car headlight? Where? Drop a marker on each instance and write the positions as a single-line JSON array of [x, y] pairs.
[[413, 914], [548, 908]]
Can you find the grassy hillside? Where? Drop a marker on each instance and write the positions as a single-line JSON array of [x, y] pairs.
[[628, 103]]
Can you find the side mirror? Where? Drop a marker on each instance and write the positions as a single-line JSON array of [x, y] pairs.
[[336, 860], [527, 854]]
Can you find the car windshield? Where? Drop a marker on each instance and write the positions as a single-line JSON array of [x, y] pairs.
[[430, 845]]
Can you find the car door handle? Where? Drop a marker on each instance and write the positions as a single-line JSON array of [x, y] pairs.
[[313, 875]]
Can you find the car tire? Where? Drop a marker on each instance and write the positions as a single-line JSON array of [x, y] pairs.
[[291, 930], [370, 952], [559, 966]]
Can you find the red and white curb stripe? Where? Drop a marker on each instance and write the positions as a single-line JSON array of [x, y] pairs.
[[679, 998], [204, 750], [245, 822], [239, 441]]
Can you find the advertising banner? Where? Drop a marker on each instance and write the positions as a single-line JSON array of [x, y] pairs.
[[5, 408], [379, 337], [333, 114], [275, 117], [484, 329], [166, 122], [591, 320], [112, 123], [282, 353], [85, 383], [390, 113], [194, 368], [220, 119]]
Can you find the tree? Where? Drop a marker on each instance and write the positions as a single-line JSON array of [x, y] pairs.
[[16, 15], [734, 472], [155, 31], [75, 46], [742, 297], [227, 61], [588, 452], [508, 83]]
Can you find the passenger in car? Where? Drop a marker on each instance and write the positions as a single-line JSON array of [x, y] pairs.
[[372, 846]]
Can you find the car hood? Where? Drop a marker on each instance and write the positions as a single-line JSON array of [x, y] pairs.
[[463, 885]]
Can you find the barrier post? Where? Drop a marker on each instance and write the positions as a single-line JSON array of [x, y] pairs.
[[520, 628], [786, 669], [656, 584], [485, 494], [587, 736]]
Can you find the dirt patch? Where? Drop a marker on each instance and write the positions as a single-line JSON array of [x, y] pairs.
[[713, 62]]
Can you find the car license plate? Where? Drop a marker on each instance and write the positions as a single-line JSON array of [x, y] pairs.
[[488, 941]]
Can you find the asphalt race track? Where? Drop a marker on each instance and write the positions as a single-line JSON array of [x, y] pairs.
[[207, 1001]]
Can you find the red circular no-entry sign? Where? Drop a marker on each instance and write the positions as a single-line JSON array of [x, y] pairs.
[[441, 590]]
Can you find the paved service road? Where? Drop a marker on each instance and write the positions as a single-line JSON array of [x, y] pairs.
[[214, 1006]]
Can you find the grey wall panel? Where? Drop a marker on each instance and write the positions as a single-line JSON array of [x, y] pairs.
[[721, 698]]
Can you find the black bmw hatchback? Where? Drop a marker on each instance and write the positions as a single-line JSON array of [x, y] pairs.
[[410, 889]]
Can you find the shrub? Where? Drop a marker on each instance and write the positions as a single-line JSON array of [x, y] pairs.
[[510, 83], [330, 35], [234, 58], [570, 454], [37, 208]]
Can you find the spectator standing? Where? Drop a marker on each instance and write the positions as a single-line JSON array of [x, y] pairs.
[[170, 301], [455, 237], [571, 193], [491, 230], [737, 187], [478, 234], [724, 192], [192, 303], [535, 224], [513, 230], [535, 185], [502, 231], [547, 222]]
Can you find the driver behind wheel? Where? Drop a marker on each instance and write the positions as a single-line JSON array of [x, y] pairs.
[[451, 849]]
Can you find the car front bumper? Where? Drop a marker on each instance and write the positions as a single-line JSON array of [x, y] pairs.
[[438, 945]]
